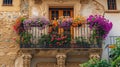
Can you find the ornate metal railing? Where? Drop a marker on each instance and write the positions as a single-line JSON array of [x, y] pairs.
[[113, 39], [113, 49], [56, 37]]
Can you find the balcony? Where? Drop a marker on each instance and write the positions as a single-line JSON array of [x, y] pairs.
[[64, 39], [66, 32], [73, 37]]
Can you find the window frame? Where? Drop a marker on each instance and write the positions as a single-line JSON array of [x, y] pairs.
[[7, 2], [112, 4]]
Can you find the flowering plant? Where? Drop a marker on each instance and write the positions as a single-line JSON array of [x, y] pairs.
[[19, 29], [36, 22], [55, 23], [59, 41], [23, 24], [78, 21], [65, 22], [17, 26], [55, 40], [100, 26]]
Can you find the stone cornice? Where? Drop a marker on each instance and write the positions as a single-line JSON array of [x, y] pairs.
[[112, 11]]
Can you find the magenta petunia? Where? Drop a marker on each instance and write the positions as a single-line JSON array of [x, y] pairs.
[[100, 25]]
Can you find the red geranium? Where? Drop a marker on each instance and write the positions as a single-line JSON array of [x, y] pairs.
[[17, 25]]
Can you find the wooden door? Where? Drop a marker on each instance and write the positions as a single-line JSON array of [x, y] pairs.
[[55, 13]]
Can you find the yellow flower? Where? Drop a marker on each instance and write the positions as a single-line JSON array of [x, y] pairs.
[[55, 23], [79, 20], [111, 46]]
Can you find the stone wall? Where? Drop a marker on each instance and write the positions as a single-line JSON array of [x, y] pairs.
[[8, 47]]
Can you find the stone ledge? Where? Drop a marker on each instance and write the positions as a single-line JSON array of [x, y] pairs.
[[112, 11]]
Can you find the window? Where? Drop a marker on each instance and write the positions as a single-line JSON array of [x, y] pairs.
[[111, 4], [58, 12], [7, 2]]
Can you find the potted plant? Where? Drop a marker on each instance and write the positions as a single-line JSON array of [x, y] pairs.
[[100, 27]]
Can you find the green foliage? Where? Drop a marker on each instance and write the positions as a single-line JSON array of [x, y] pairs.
[[116, 62], [95, 38], [44, 39], [96, 63], [22, 19], [115, 53], [115, 58], [82, 40], [25, 37]]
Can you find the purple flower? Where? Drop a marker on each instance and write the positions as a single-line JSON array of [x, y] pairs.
[[101, 25], [26, 23], [44, 20], [36, 22], [66, 23]]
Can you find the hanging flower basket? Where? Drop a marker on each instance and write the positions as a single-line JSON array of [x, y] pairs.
[[100, 27]]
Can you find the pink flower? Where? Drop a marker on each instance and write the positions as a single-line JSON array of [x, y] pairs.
[[52, 39], [58, 39], [54, 35]]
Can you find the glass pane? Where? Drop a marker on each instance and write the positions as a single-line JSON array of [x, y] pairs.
[[57, 12], [10, 1], [68, 13], [64, 13], [7, 2], [111, 4], [57, 15], [53, 15]]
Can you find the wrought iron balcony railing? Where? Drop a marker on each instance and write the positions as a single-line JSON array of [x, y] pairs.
[[113, 39], [56, 37]]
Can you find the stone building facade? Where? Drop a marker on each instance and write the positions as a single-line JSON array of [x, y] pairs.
[[12, 56]]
